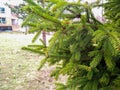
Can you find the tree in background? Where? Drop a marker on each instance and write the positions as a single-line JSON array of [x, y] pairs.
[[85, 50], [21, 14], [17, 10]]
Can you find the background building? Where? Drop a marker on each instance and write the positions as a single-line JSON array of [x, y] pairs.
[[8, 20]]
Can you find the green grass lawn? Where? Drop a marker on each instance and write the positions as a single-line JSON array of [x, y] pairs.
[[18, 68]]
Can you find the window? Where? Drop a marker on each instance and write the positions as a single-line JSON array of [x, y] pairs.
[[2, 10], [4, 28], [3, 20]]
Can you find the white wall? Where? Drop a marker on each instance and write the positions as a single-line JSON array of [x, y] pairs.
[[7, 14]]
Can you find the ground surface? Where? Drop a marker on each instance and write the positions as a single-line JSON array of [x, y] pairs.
[[18, 68]]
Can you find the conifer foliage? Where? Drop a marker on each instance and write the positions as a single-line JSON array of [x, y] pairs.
[[85, 50], [112, 11]]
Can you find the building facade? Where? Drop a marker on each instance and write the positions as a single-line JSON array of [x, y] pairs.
[[8, 20]]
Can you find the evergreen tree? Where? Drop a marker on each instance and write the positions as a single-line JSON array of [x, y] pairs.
[[112, 11], [85, 50]]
